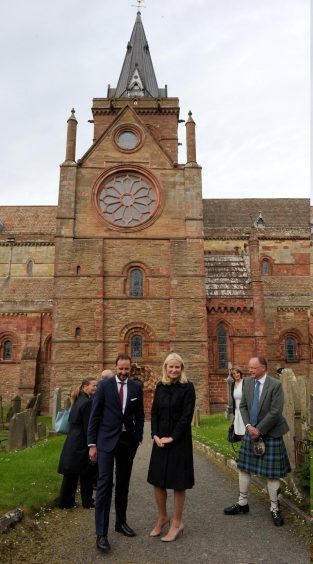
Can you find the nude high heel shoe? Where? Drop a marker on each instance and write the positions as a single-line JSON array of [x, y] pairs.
[[158, 529], [173, 536]]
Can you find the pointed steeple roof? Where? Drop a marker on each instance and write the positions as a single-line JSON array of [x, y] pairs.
[[137, 78]]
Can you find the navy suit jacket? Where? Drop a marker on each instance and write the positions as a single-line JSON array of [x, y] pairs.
[[107, 418]]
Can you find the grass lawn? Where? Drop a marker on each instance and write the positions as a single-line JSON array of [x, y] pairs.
[[29, 477], [213, 432]]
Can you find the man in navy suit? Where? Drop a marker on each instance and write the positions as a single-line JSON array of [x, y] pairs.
[[114, 433]]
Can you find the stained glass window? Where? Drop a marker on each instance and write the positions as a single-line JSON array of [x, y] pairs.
[[290, 349], [136, 282], [136, 346], [266, 267], [7, 350], [222, 347]]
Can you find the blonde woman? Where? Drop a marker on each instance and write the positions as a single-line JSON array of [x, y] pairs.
[[171, 463], [74, 461]]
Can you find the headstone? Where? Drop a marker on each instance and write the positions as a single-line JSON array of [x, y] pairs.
[[56, 406], [67, 403], [29, 426], [15, 408], [196, 417], [30, 402], [17, 432], [291, 412], [9, 415], [41, 431], [16, 404], [36, 406]]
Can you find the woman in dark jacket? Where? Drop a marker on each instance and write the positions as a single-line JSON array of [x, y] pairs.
[[171, 463], [74, 461]]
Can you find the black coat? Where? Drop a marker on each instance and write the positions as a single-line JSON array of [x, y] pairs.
[[75, 454], [171, 415]]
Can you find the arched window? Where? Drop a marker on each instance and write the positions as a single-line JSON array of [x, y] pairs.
[[136, 282], [7, 350], [136, 346], [78, 269], [222, 347], [30, 265], [291, 349], [266, 267], [77, 332]]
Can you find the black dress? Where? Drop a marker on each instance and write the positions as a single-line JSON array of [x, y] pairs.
[[74, 460], [171, 415]]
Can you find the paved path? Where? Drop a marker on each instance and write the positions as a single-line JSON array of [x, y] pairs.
[[210, 537]]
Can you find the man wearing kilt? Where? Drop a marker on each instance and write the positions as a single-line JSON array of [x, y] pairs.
[[261, 408]]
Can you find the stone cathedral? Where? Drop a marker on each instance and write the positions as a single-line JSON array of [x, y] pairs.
[[133, 260]]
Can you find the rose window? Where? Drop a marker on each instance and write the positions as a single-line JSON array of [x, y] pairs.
[[127, 199]]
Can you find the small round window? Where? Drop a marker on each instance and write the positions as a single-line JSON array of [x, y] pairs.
[[127, 140]]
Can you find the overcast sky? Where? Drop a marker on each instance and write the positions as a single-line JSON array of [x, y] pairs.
[[241, 66]]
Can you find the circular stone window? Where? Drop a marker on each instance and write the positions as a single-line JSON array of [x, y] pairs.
[[128, 138], [127, 199]]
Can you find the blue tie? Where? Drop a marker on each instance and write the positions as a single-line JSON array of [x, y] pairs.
[[255, 404]]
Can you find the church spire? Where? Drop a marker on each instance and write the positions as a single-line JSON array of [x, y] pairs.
[[137, 78]]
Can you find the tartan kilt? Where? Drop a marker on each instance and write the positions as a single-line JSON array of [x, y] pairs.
[[273, 464]]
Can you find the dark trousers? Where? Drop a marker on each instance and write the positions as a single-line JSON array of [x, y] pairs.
[[69, 487], [123, 454]]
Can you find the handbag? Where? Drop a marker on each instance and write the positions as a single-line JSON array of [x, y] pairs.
[[62, 424], [231, 435]]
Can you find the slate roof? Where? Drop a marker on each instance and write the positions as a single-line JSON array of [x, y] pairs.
[[226, 276], [138, 59], [276, 212], [28, 220]]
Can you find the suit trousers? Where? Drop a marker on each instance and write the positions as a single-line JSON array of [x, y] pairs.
[[123, 454], [69, 487]]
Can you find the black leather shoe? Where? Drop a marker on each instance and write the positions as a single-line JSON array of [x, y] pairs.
[[125, 530], [236, 508], [103, 543], [68, 506], [90, 505], [277, 518]]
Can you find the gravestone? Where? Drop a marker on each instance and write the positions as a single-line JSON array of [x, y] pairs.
[[196, 417], [67, 403], [291, 412], [56, 405], [34, 403], [41, 431], [15, 408], [29, 421], [17, 432]]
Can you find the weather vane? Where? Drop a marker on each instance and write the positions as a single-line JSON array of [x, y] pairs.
[[139, 4]]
